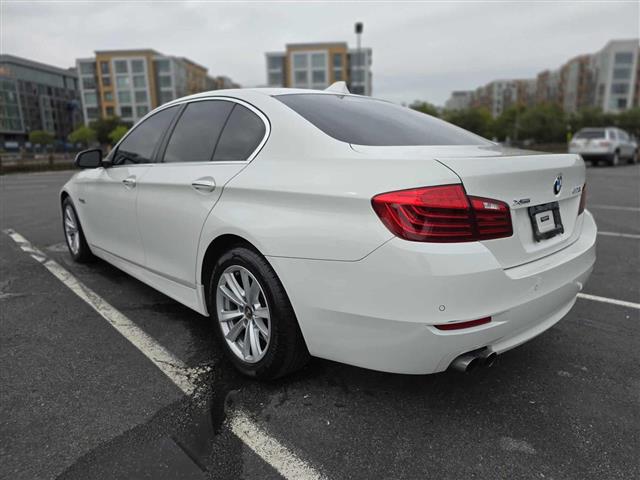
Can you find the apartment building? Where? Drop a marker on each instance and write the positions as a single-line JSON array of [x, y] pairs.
[[318, 65], [616, 70], [459, 100], [36, 96], [608, 79], [499, 95], [130, 83]]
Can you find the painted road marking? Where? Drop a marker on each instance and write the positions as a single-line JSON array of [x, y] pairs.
[[612, 301], [287, 463], [614, 207], [171, 366], [623, 235], [269, 449]]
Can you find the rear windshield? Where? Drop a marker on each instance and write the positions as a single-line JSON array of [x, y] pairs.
[[365, 121], [589, 134]]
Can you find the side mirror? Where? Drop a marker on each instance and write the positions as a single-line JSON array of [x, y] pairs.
[[91, 158]]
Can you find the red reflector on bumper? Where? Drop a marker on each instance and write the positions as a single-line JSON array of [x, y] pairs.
[[461, 325]]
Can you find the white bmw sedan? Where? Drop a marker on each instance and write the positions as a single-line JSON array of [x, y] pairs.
[[338, 226]]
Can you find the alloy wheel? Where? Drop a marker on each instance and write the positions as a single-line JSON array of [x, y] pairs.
[[71, 230], [243, 314]]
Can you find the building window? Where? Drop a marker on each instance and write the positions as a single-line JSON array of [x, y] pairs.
[[275, 78], [622, 103], [337, 60], [124, 96], [301, 78], [88, 68], [123, 82], [139, 81], [104, 68], [623, 58], [142, 110], [620, 88], [126, 112], [163, 66], [166, 97], [337, 75], [165, 81], [319, 76], [110, 112], [137, 66], [275, 63], [106, 81], [108, 96], [141, 96], [92, 113], [121, 66], [88, 83], [621, 73], [300, 61], [90, 98]]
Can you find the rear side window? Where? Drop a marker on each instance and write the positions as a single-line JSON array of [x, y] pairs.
[[139, 145], [241, 136], [365, 121], [589, 134], [195, 136]]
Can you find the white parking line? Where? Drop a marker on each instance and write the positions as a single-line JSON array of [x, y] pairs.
[[269, 449], [615, 207], [287, 463], [171, 366], [623, 235], [613, 301]]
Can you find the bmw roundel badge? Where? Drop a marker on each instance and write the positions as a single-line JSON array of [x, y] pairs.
[[557, 184]]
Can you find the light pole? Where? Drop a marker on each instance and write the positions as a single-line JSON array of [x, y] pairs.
[[360, 63]]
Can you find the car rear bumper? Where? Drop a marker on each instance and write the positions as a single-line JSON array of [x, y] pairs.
[[380, 312]]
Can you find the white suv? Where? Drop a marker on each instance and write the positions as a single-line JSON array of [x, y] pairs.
[[609, 144]]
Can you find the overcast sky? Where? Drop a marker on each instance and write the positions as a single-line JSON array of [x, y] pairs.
[[420, 50]]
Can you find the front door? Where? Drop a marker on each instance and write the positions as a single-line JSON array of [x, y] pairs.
[[108, 196]]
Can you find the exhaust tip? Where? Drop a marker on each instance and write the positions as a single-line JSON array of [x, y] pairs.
[[490, 359], [467, 362]]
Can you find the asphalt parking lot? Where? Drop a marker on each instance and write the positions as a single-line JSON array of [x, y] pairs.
[[79, 401]]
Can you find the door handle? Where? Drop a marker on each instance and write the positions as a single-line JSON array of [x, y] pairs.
[[205, 184], [129, 182]]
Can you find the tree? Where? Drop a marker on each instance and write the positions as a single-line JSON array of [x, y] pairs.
[[40, 137], [476, 120], [84, 135], [629, 120], [425, 107], [103, 128], [508, 123], [117, 133], [543, 123]]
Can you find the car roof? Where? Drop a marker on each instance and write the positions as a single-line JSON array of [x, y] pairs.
[[244, 93]]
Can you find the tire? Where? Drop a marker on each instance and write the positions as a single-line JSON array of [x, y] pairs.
[[615, 159], [634, 158], [284, 351], [76, 243]]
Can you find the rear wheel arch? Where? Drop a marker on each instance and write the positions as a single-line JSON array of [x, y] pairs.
[[216, 248]]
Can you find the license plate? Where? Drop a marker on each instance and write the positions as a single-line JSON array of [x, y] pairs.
[[546, 221]]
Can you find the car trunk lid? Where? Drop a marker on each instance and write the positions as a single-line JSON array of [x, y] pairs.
[[524, 180]]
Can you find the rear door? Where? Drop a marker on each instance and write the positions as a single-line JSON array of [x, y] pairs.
[[211, 142]]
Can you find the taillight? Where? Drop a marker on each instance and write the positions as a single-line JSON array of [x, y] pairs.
[[583, 199], [461, 325], [442, 214]]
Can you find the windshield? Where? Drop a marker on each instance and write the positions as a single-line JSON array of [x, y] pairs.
[[365, 121], [589, 134]]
